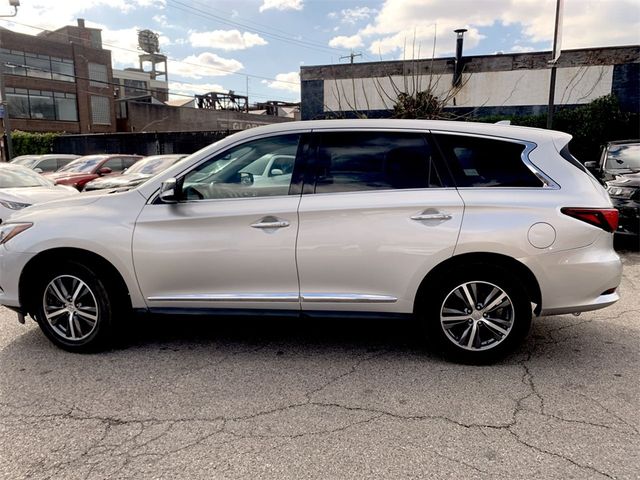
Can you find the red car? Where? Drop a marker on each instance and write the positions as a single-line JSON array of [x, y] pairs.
[[84, 169]]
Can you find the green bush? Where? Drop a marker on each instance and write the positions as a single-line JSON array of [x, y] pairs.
[[591, 125], [28, 143]]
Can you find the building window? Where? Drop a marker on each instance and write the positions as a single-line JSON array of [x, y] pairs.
[[66, 108], [134, 88], [15, 62], [42, 105], [98, 75], [100, 111]]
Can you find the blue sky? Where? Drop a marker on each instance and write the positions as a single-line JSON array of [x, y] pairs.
[[223, 45]]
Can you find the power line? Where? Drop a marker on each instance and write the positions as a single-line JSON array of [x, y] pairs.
[[287, 39], [106, 82], [219, 69]]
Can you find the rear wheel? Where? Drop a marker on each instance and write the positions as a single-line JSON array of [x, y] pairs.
[[477, 314], [75, 308]]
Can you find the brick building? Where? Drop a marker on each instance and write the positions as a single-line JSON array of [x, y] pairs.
[[58, 81]]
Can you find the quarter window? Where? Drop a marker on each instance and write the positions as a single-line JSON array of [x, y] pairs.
[[260, 168], [356, 161], [484, 162]]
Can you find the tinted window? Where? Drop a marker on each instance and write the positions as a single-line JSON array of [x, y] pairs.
[[483, 162], [48, 165], [129, 161], [115, 164], [17, 176], [356, 161], [243, 171]]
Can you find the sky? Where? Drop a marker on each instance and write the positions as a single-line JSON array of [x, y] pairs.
[[258, 46]]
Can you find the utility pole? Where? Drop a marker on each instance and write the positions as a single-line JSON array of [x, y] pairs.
[[4, 107], [351, 56], [557, 41]]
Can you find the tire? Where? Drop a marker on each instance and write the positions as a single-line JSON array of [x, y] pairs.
[[75, 308], [453, 310]]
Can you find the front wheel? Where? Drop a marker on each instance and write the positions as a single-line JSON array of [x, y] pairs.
[[477, 314], [75, 308]]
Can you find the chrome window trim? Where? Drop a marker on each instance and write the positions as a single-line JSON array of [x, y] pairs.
[[547, 182]]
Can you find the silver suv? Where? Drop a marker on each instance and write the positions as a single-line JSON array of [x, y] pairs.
[[471, 228]]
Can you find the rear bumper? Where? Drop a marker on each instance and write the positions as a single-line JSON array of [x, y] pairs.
[[580, 279]]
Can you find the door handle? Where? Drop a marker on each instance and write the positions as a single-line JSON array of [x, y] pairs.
[[270, 222], [431, 216]]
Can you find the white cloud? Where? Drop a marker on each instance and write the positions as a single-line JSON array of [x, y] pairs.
[[354, 15], [226, 39], [206, 64], [521, 49], [342, 41], [285, 81], [180, 89], [281, 5], [50, 15], [587, 23]]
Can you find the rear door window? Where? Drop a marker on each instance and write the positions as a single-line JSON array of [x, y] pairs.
[[485, 162], [115, 164], [360, 161], [48, 165]]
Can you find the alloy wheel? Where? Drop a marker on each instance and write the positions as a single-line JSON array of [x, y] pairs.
[[70, 308], [477, 315]]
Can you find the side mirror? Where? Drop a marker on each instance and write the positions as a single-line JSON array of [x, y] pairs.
[[246, 179], [104, 171], [275, 172], [38, 170], [169, 191]]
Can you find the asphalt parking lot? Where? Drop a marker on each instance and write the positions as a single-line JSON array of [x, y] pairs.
[[277, 399]]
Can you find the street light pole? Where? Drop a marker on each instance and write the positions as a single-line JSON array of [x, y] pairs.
[[557, 36]]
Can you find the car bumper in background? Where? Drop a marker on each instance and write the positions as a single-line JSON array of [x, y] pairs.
[[629, 218]]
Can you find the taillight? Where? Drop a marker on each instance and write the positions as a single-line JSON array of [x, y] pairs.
[[605, 218]]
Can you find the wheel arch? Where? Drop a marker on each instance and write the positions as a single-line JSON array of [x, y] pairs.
[[508, 263], [52, 257]]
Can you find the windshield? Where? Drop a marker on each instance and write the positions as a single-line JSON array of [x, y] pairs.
[[154, 164], [83, 164], [623, 157], [18, 177], [26, 160]]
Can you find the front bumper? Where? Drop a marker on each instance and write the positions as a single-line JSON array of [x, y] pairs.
[[11, 267]]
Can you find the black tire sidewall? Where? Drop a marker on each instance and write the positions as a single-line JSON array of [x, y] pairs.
[[437, 293], [100, 335]]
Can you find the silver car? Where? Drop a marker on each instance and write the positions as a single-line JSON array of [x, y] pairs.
[[471, 228]]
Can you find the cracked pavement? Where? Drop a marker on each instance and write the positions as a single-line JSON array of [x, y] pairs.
[[264, 398]]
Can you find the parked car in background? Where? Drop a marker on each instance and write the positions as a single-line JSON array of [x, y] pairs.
[[471, 228], [139, 173], [619, 168], [84, 169], [49, 162], [21, 187]]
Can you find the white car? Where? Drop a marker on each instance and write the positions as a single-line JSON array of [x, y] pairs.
[[21, 187], [471, 228]]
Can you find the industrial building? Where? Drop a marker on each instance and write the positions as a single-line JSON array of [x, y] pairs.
[[480, 85]]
